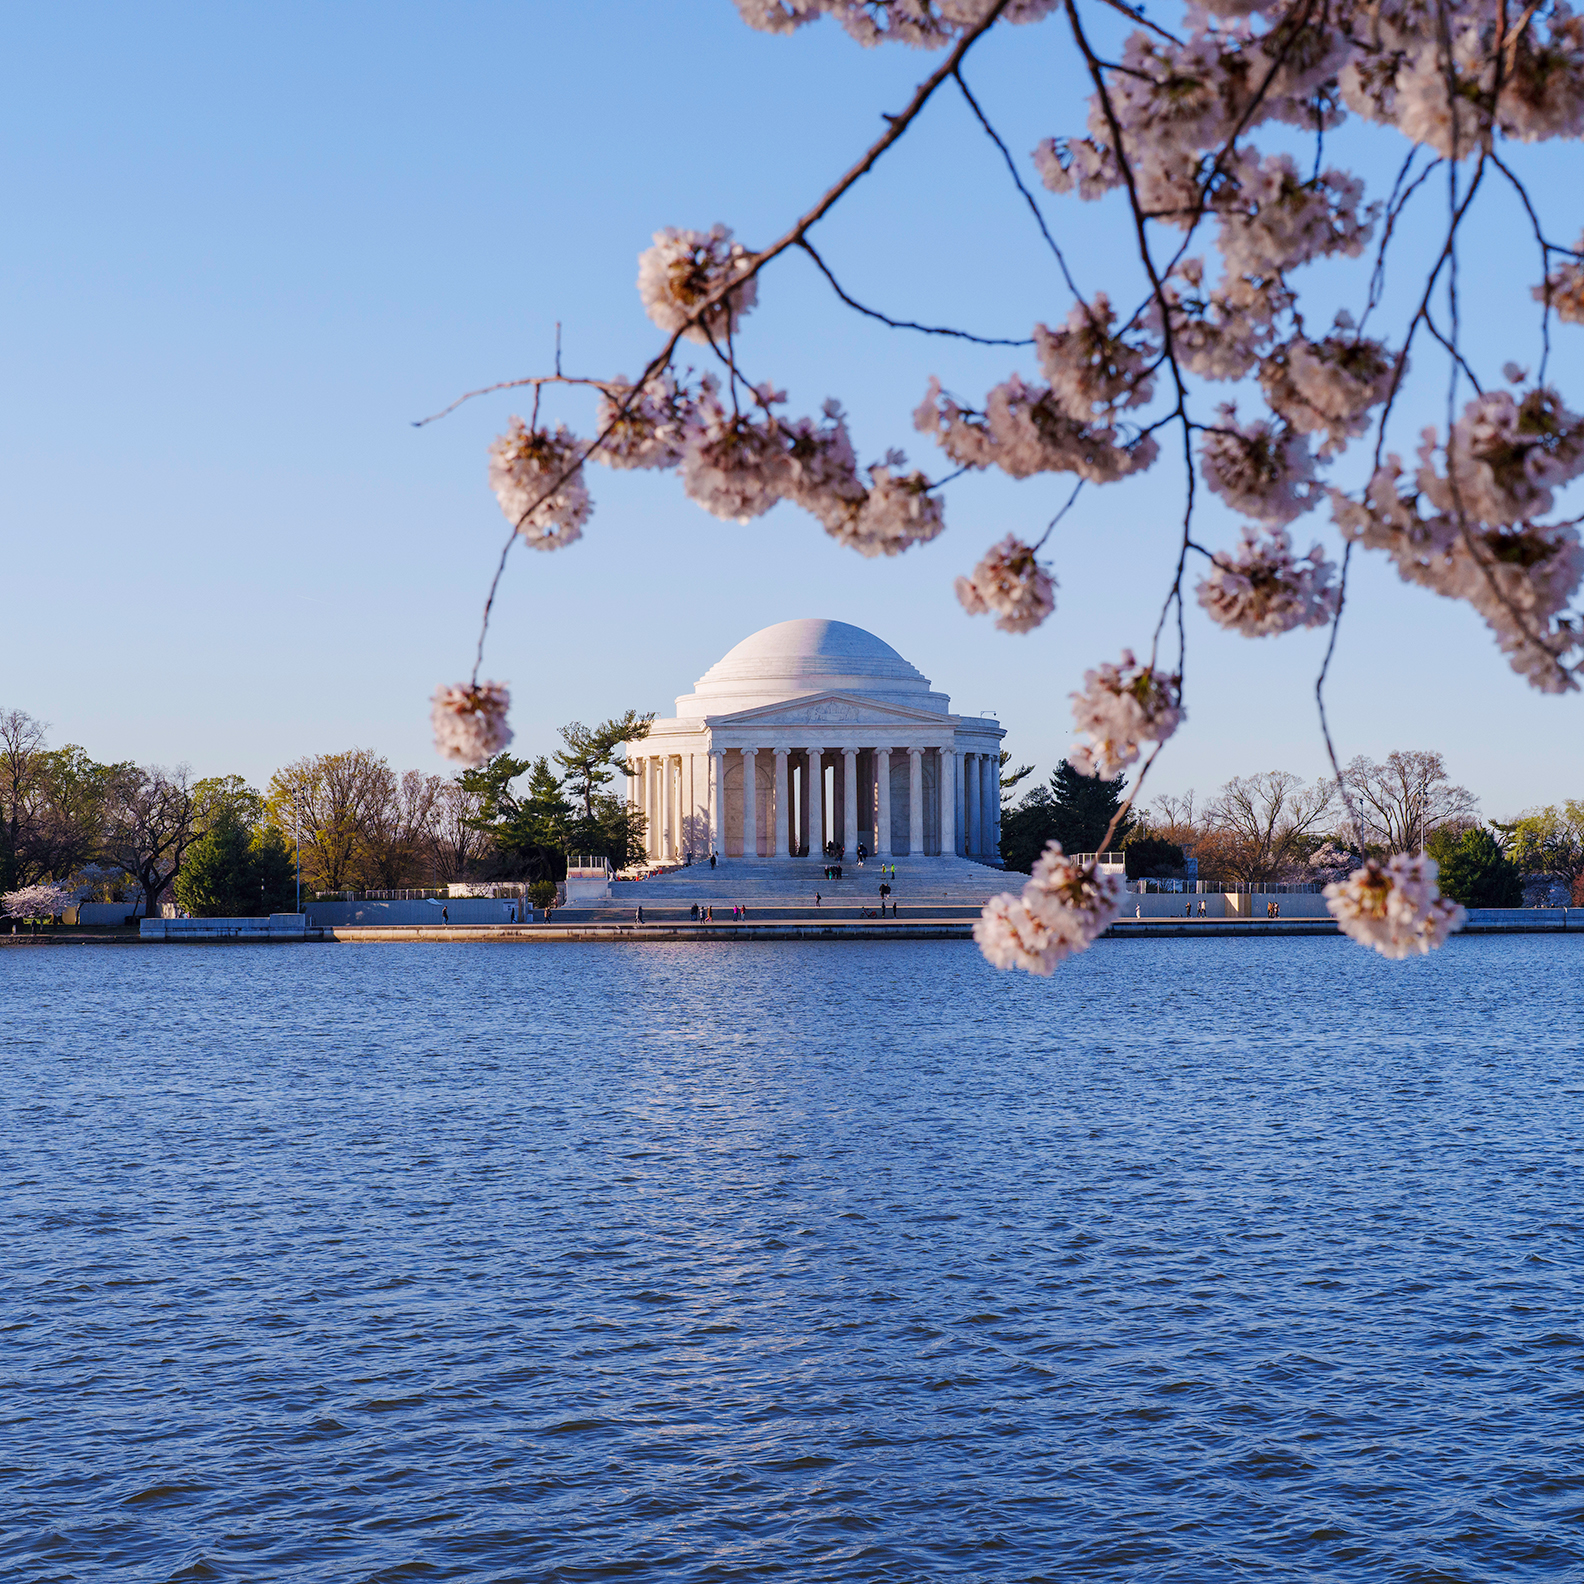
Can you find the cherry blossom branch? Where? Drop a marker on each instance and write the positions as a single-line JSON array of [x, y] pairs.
[[1394, 210], [1127, 803], [902, 324], [896, 126], [1136, 14], [1197, 213], [1401, 364], [1452, 351], [1050, 527], [1546, 250], [1097, 76], [535, 380], [1028, 197], [1325, 724]]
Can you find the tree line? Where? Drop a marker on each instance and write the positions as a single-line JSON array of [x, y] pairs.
[[217, 846], [1274, 827]]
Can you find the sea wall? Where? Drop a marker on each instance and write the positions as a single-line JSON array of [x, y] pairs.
[[459, 910]]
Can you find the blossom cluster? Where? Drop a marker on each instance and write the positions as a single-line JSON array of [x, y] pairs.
[[1265, 589], [537, 477], [47, 901], [685, 269], [1025, 429], [1395, 906], [922, 23], [1262, 470], [1464, 526], [1120, 708], [1063, 909], [736, 460], [1011, 583], [1563, 287], [470, 721]]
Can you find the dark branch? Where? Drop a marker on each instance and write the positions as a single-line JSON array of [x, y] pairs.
[[901, 324]]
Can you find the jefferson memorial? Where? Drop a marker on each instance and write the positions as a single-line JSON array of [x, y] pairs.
[[814, 732]]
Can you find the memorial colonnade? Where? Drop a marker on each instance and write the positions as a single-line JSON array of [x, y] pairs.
[[896, 799]]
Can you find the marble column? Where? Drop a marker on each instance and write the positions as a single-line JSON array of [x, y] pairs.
[[883, 803], [915, 802], [946, 787], [850, 800], [689, 807], [987, 805], [959, 802], [718, 800], [971, 804], [783, 804], [669, 802], [814, 796], [995, 804], [635, 785], [651, 832], [750, 801]]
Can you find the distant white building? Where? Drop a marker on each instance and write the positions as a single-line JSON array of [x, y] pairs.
[[811, 732]]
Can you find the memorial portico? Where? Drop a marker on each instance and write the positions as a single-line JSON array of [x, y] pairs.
[[814, 732]]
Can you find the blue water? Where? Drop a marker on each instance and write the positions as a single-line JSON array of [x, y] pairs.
[[1219, 1259]]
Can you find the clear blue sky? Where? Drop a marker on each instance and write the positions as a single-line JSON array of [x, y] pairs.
[[246, 245]]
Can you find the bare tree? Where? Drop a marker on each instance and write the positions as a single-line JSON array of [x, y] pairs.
[[329, 801], [22, 741], [399, 828], [1175, 819], [1402, 801], [457, 842], [52, 803], [1263, 820], [149, 824]]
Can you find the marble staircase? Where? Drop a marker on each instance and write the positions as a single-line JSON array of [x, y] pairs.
[[924, 882]]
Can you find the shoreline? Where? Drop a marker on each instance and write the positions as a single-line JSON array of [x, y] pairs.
[[1571, 922]]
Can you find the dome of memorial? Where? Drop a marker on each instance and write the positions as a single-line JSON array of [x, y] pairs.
[[793, 659]]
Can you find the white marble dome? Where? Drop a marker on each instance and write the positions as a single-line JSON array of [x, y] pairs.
[[793, 659]]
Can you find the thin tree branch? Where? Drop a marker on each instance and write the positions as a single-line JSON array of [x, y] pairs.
[[536, 380], [901, 324], [1325, 724], [1028, 197], [1050, 527]]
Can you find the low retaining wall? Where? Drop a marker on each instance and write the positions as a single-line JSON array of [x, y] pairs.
[[1223, 905], [96, 915], [278, 926], [459, 910]]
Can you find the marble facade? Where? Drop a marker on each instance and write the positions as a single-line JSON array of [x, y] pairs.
[[813, 731]]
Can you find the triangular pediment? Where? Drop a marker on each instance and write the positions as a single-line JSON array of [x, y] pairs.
[[833, 709]]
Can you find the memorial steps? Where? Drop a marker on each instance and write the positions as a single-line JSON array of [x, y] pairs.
[[792, 882]]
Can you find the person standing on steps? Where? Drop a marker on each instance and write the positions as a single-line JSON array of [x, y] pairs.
[[712, 860], [816, 899], [638, 917], [445, 915]]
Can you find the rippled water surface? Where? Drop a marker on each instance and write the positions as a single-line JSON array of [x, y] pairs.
[[1218, 1259]]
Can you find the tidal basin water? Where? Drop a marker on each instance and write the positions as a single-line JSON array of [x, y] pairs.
[[1210, 1260]]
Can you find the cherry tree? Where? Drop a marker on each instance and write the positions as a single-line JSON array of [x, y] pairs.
[[1217, 359], [47, 901]]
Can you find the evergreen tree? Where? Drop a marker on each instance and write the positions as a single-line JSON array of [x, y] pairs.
[[234, 872], [1149, 856], [274, 880], [588, 763], [1073, 809], [1475, 871]]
